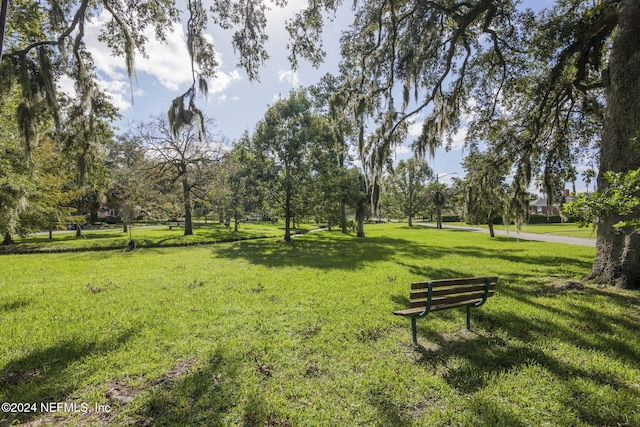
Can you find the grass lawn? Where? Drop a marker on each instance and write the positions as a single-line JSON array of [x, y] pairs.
[[263, 333], [145, 236], [569, 229], [572, 230]]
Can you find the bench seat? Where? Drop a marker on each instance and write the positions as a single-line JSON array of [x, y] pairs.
[[435, 295]]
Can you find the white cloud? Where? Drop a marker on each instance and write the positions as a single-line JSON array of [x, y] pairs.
[[167, 61], [469, 114], [66, 85], [290, 76], [223, 80], [415, 128], [459, 138], [402, 150], [121, 92]]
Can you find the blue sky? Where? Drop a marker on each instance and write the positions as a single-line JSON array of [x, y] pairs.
[[234, 102]]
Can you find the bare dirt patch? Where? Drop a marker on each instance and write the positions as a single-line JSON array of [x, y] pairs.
[[119, 394], [562, 287]]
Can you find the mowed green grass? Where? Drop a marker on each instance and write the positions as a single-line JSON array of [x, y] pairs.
[[266, 333], [567, 229], [145, 236]]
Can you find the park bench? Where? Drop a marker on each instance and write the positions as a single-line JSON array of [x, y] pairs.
[[435, 295]]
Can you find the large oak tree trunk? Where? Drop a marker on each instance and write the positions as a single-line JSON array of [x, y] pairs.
[[361, 210], [236, 220], [618, 251], [8, 240], [186, 190], [490, 223], [343, 217], [287, 217]]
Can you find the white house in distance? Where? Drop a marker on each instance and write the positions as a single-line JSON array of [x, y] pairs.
[[540, 205]]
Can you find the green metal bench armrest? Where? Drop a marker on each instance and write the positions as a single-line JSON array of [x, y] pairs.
[[428, 306], [487, 285]]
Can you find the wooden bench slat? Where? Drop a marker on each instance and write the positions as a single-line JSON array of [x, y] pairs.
[[409, 311], [457, 290], [453, 282], [469, 299], [417, 310], [445, 294], [458, 304], [422, 302]]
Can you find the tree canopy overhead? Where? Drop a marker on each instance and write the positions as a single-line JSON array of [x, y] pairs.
[[541, 87], [46, 40]]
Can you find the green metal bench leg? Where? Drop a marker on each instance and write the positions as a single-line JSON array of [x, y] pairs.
[[469, 317], [414, 333]]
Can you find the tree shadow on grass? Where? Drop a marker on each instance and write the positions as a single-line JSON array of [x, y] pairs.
[[519, 256], [207, 396], [14, 305], [388, 411], [332, 251], [580, 321], [324, 250], [43, 375], [484, 356], [429, 273], [589, 328], [202, 397]]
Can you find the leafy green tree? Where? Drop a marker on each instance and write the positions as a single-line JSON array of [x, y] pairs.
[[217, 197], [41, 47], [457, 196], [358, 197], [183, 158], [241, 187], [14, 176], [328, 186], [281, 149], [238, 194], [83, 140], [588, 175], [620, 198], [51, 201], [539, 86], [331, 102], [38, 186], [487, 192], [407, 186], [125, 164], [437, 194]]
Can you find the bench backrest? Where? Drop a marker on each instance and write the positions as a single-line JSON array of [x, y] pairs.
[[448, 293]]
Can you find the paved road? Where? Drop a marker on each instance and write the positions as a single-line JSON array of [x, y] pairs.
[[582, 241]]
